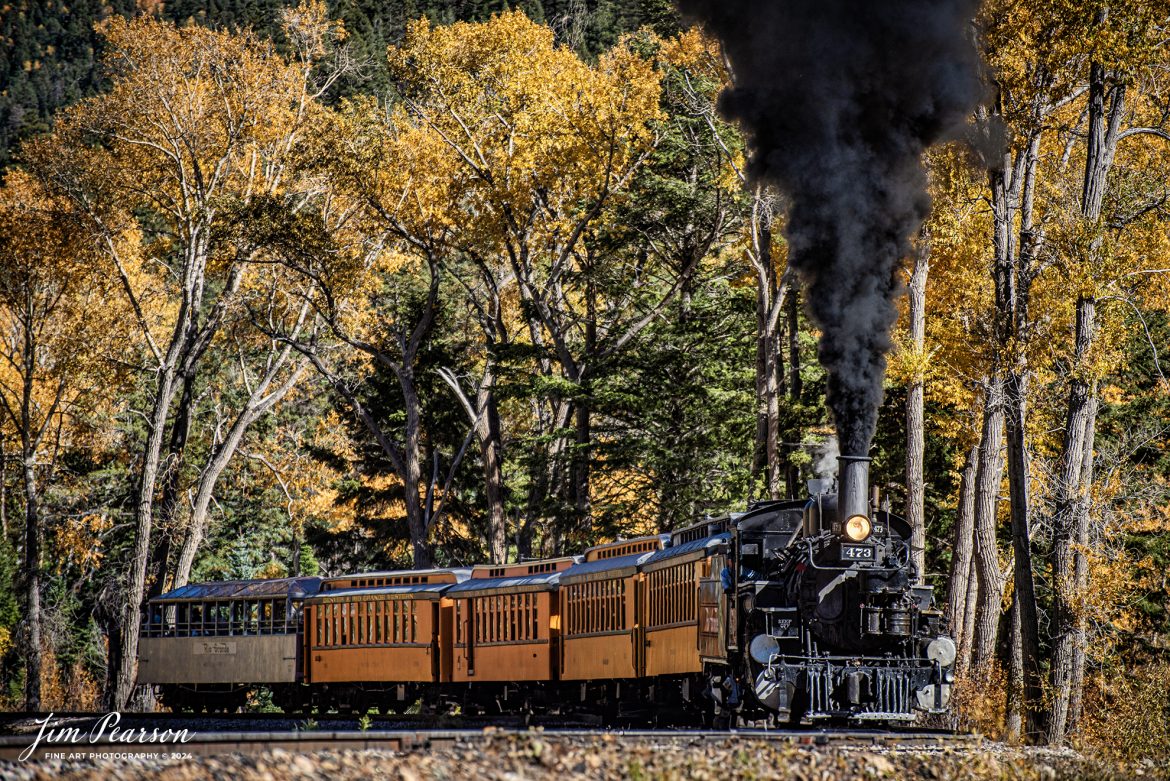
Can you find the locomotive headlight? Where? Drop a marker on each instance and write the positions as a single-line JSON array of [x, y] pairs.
[[941, 650], [858, 528]]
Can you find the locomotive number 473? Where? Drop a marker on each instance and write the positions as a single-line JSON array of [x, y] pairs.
[[857, 552]]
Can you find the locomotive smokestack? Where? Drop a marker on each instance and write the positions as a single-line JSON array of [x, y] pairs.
[[852, 487]]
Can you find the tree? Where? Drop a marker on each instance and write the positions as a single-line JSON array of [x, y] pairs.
[[197, 129], [542, 144], [53, 326], [1123, 42]]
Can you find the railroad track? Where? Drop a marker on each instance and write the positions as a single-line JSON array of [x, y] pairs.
[[204, 743]]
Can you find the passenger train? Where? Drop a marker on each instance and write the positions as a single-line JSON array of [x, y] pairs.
[[792, 611]]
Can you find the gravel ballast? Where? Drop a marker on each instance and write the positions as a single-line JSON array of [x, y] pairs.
[[535, 756]]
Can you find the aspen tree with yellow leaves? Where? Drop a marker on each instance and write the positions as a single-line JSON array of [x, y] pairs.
[[196, 135], [543, 143], [54, 329]]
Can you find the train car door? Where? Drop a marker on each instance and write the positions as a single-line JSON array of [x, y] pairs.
[[712, 610], [639, 631], [469, 648]]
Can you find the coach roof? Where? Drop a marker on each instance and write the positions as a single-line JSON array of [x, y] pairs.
[[271, 588], [545, 581]]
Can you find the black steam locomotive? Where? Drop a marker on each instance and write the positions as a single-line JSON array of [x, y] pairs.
[[800, 610], [835, 625]]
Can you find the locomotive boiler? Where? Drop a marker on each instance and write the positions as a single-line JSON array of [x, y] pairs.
[[791, 611]]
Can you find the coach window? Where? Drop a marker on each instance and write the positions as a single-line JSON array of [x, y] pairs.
[[237, 615], [153, 624]]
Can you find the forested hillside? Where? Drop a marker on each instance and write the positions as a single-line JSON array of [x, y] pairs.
[[51, 51], [297, 290]]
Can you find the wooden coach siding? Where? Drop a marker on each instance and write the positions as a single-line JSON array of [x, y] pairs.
[[494, 641], [402, 663], [600, 628], [670, 614], [386, 638], [228, 659], [638, 618]]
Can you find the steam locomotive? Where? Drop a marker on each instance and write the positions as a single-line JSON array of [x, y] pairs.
[[791, 611]]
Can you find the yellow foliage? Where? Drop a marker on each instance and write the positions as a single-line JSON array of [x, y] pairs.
[[67, 689], [1127, 718], [79, 541], [979, 700]]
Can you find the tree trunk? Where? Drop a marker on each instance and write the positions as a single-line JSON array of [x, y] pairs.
[[32, 567], [170, 494], [1073, 494], [580, 463], [3, 491], [795, 383], [127, 663], [775, 370], [768, 462], [763, 343], [412, 480], [1024, 585], [989, 474], [1070, 506], [961, 554], [915, 427], [487, 431], [1016, 702], [970, 613], [1081, 569]]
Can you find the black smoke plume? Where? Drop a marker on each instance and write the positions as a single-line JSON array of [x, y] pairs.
[[840, 98]]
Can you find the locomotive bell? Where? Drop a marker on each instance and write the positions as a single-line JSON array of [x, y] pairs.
[[853, 496]]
